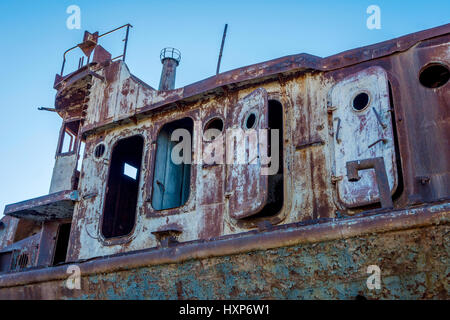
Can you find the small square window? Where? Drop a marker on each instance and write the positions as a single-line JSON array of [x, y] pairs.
[[68, 138], [130, 171]]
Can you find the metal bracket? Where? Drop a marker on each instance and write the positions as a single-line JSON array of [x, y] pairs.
[[167, 236], [89, 195], [228, 194], [46, 109], [379, 119], [335, 179], [96, 75], [423, 179], [376, 142], [264, 225], [331, 109], [338, 128], [74, 196], [161, 185], [380, 171], [311, 143]]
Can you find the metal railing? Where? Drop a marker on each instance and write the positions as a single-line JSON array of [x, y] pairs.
[[171, 53], [123, 55]]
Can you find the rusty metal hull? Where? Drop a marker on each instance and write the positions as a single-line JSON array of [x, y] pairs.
[[321, 261]]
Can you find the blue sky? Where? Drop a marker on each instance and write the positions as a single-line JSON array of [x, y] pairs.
[[34, 36]]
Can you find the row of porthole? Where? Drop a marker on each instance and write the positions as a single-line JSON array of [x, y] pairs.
[[215, 123], [433, 75]]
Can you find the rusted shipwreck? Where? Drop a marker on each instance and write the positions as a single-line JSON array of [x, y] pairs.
[[363, 180]]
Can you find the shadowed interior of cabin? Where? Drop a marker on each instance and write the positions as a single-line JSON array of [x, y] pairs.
[[171, 182], [275, 181], [122, 189]]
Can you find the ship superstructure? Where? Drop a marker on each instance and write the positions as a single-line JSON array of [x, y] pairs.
[[346, 164]]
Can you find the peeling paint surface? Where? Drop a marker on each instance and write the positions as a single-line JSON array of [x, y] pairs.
[[356, 134], [414, 265]]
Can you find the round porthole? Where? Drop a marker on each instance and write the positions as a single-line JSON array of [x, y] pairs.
[[361, 101], [434, 75], [99, 150], [213, 129], [250, 122]]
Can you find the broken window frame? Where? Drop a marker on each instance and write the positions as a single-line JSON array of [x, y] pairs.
[[115, 240], [58, 242], [253, 221], [74, 136], [189, 205], [6, 261], [184, 184], [48, 241]]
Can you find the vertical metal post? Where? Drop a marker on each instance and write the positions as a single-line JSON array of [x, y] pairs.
[[221, 48], [63, 64], [126, 43]]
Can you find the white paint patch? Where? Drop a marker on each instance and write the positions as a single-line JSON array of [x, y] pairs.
[[358, 130]]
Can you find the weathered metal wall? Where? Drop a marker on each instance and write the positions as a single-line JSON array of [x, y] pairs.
[[116, 109], [307, 188], [24, 253], [61, 178], [412, 121], [414, 265]]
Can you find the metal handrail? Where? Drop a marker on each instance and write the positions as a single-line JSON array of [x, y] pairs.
[[171, 53], [123, 55]]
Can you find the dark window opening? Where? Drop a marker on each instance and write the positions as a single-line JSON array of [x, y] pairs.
[[361, 101], [434, 75], [251, 121], [400, 184], [122, 190], [276, 181], [171, 182], [99, 150], [215, 123], [67, 141], [62, 243], [5, 261]]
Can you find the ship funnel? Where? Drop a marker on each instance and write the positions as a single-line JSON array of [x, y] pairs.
[[170, 58]]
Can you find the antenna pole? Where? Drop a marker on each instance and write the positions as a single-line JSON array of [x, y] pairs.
[[221, 48]]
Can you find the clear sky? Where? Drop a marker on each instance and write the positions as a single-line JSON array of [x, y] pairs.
[[34, 35]]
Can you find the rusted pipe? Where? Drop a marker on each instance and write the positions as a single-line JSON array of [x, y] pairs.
[[170, 58]]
